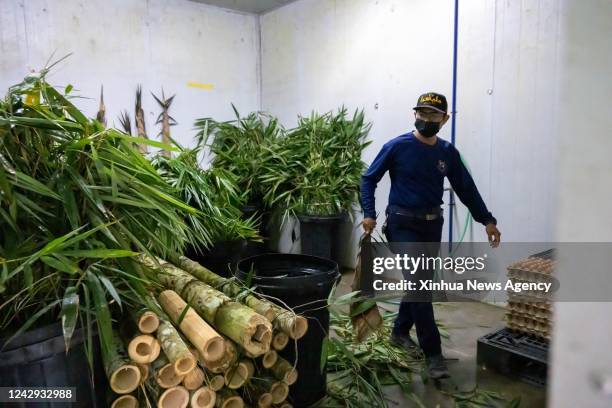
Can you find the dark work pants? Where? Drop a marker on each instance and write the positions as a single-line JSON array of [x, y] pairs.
[[401, 229]]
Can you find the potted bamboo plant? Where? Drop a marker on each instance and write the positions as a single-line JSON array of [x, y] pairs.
[[314, 174], [239, 147], [214, 192]]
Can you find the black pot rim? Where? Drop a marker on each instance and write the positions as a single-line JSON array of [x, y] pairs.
[[322, 219], [333, 270]]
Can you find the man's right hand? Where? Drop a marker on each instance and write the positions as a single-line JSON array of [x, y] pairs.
[[368, 225]]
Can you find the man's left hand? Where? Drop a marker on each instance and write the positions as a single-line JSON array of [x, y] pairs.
[[493, 234]]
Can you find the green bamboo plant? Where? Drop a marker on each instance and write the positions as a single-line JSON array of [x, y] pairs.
[[316, 169], [77, 202], [239, 147], [214, 192]]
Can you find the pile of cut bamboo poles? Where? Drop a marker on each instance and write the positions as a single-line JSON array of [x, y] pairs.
[[209, 344], [531, 312]]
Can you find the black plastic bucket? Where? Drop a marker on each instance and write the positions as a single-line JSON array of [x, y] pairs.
[[319, 235], [299, 280], [38, 358], [257, 247], [221, 258]]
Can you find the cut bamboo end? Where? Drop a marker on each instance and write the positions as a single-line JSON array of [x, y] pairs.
[[144, 349], [148, 322], [167, 377], [260, 337], [280, 341], [175, 397], [216, 382], [125, 401], [250, 368], [284, 371], [291, 376], [194, 379], [144, 372], [203, 337], [264, 400], [214, 349], [229, 401], [237, 376], [279, 392], [299, 327], [285, 405], [203, 397], [125, 379], [269, 359], [185, 365]]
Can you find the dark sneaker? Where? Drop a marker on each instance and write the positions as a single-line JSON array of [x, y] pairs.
[[405, 341], [436, 367]]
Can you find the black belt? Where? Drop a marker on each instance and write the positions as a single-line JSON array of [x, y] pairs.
[[427, 214]]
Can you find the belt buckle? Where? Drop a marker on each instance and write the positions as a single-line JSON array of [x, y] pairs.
[[430, 217]]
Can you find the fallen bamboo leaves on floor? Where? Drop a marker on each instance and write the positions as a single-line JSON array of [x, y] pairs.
[[359, 372]]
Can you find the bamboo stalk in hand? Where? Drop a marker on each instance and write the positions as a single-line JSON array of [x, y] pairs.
[[203, 337]]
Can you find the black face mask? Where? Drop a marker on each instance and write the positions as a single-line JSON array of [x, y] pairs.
[[427, 129]]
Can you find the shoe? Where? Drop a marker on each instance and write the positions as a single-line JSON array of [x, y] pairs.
[[404, 341], [436, 367]]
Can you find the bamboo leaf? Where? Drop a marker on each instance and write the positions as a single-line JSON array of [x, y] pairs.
[[111, 289], [70, 268], [98, 253], [69, 314]]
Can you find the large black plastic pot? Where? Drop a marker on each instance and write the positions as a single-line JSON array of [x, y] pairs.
[[38, 358], [319, 235], [303, 283], [221, 258], [254, 247]]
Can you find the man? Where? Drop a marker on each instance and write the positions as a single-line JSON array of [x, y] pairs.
[[417, 163]]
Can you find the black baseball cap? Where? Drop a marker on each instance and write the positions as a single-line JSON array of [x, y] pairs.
[[432, 100]]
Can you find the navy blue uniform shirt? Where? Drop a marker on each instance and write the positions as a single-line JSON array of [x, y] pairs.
[[417, 173]]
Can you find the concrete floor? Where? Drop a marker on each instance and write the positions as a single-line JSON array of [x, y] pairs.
[[465, 322]]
